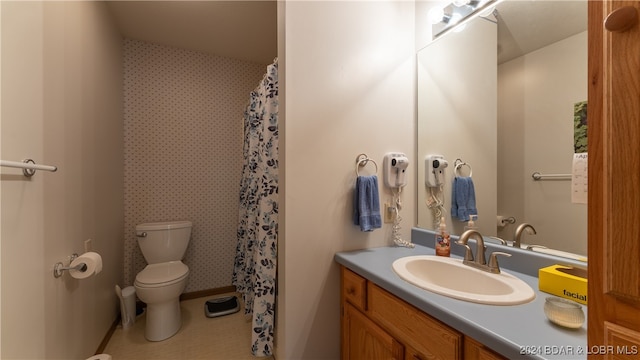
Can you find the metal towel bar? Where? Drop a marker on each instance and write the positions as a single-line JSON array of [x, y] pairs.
[[28, 166], [537, 176]]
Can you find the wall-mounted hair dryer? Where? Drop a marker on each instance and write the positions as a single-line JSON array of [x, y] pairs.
[[434, 170], [395, 166]]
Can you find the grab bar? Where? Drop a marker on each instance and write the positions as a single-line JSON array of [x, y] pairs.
[[537, 176], [28, 166]]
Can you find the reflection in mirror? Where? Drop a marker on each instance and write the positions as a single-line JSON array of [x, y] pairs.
[[456, 13], [500, 96]]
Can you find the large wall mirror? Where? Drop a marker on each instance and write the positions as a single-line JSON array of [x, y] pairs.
[[501, 96]]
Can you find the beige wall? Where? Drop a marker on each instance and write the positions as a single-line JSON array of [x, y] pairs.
[[183, 152], [62, 105], [537, 94], [349, 89]]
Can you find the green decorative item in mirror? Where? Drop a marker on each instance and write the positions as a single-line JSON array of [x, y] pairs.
[[580, 127]]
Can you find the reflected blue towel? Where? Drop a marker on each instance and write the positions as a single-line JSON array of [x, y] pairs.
[[366, 204], [463, 198]]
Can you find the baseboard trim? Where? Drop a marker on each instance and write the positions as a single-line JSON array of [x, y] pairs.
[[208, 292], [108, 335], [185, 296]]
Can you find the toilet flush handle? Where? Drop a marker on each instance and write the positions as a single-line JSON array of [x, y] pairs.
[[142, 234]]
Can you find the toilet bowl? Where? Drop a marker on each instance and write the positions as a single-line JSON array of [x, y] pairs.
[[161, 282], [159, 286]]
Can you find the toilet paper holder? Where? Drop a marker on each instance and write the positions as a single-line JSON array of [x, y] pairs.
[[59, 268]]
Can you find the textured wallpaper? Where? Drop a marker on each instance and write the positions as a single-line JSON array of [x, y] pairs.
[[183, 114]]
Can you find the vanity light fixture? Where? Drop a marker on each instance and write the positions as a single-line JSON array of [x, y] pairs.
[[458, 13], [455, 19], [459, 3], [436, 15]]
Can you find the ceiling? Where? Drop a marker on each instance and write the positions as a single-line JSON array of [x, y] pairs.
[[525, 26], [247, 30], [244, 30]]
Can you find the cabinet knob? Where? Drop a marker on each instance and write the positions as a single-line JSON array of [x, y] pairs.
[[621, 19], [351, 290]]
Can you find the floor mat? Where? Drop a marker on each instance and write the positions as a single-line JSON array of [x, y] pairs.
[[220, 306]]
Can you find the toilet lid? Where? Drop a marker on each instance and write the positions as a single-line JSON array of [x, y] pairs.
[[155, 274]]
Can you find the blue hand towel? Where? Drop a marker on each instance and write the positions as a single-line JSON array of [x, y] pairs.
[[366, 206], [463, 198]]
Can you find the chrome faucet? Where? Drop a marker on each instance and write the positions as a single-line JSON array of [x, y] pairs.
[[480, 262], [517, 238]]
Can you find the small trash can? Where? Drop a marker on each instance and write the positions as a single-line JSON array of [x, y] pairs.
[[128, 306]]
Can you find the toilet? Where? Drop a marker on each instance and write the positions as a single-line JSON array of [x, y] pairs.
[[160, 283]]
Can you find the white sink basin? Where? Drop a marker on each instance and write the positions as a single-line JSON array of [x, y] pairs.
[[449, 277]]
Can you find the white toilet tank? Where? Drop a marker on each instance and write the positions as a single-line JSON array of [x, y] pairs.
[[163, 241]]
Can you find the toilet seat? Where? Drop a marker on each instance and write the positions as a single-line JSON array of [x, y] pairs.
[[162, 274]]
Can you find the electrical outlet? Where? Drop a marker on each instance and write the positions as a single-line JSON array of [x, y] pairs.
[[88, 245], [389, 213]]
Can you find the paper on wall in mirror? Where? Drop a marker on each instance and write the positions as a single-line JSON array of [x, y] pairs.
[[579, 178]]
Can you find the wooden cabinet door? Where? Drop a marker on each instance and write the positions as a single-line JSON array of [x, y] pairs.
[[364, 340], [413, 354], [474, 350], [614, 179]]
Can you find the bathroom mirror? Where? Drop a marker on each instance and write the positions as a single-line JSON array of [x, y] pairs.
[[500, 95]]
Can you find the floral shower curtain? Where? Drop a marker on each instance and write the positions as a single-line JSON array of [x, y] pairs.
[[254, 273]]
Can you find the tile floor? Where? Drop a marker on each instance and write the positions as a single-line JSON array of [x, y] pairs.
[[225, 338]]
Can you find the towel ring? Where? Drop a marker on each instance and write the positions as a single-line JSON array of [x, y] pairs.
[[458, 164], [362, 160]]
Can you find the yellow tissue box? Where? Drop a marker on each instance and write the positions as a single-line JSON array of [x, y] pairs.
[[564, 281]]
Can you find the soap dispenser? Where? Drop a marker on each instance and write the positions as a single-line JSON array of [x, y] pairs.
[[443, 246], [471, 225]]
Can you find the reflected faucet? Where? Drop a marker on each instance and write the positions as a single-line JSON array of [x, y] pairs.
[[502, 241], [517, 238], [480, 262]]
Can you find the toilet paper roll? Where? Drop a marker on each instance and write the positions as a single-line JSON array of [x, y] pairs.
[[501, 222], [92, 260]]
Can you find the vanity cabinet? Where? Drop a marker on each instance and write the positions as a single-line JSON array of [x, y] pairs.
[[366, 340], [428, 337], [376, 324], [473, 350]]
